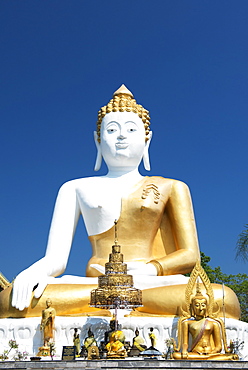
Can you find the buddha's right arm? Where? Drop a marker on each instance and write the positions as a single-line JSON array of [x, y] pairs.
[[185, 339], [64, 222]]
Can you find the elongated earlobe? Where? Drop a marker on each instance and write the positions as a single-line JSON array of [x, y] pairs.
[[99, 153], [146, 159]]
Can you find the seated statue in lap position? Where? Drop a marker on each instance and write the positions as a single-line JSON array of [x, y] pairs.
[[115, 348], [207, 332], [156, 227]]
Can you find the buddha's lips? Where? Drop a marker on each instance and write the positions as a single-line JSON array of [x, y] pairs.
[[121, 145]]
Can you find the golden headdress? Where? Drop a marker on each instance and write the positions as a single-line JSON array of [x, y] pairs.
[[196, 274], [123, 101]]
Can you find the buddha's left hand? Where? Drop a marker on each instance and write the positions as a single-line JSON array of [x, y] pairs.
[[141, 268]]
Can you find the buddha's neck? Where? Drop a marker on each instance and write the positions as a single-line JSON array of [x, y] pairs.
[[126, 173]]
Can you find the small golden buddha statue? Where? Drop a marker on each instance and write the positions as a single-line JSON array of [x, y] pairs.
[[115, 348], [152, 337], [138, 342], [91, 346], [206, 331], [76, 341], [90, 340], [47, 328], [47, 322]]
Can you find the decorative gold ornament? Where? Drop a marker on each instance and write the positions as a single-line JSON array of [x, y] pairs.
[[123, 101], [115, 288], [155, 192]]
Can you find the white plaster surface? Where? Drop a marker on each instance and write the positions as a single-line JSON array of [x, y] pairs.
[[27, 333]]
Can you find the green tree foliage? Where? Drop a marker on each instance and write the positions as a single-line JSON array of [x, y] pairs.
[[238, 283], [242, 245]]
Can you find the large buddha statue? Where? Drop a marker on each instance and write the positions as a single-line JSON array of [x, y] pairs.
[[156, 227]]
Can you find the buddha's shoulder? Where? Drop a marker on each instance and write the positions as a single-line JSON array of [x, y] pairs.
[[160, 181], [84, 182]]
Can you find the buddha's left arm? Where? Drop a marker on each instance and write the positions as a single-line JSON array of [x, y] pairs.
[[182, 257], [217, 338]]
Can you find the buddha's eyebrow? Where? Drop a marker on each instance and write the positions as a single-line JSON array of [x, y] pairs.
[[110, 123], [118, 123], [131, 122]]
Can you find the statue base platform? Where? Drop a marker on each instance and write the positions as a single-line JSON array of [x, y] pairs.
[[126, 364], [26, 332]]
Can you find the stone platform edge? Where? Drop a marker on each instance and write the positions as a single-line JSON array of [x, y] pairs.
[[123, 365]]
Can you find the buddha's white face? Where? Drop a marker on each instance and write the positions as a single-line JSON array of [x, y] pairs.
[[122, 139]]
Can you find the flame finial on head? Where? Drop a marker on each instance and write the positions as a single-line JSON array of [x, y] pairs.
[[123, 90]]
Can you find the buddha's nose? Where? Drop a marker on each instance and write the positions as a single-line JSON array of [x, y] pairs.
[[121, 137]]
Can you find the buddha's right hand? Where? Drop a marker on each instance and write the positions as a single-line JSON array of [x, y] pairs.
[[24, 285]]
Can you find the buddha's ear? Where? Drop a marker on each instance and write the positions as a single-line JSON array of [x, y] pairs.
[[99, 153], [146, 159]]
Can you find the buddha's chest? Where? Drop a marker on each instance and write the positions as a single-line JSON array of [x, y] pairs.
[[201, 327], [99, 198], [102, 202]]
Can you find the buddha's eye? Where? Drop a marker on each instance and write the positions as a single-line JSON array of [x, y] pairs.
[[131, 126], [111, 130]]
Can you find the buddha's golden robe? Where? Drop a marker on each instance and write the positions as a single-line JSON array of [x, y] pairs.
[[156, 224]]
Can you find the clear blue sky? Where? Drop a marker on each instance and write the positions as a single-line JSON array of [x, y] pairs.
[[185, 61]]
